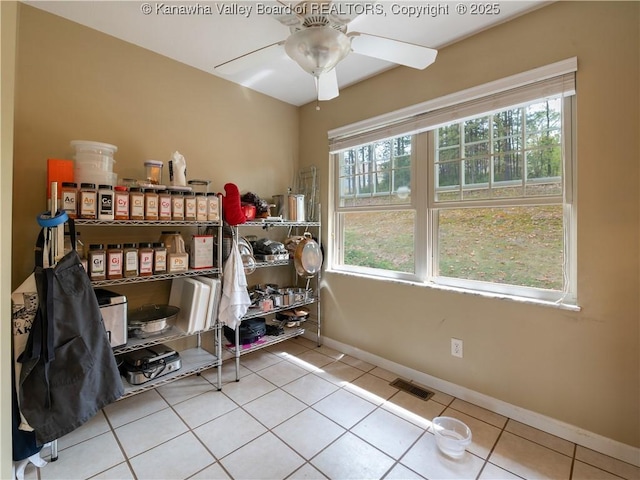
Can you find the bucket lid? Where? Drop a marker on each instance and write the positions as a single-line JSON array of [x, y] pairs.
[[84, 144]]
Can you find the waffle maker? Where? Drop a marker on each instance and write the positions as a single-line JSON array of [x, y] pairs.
[[143, 365]]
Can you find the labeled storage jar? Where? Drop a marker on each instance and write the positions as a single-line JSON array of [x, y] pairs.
[[201, 207], [177, 206], [136, 203], [121, 202], [159, 258], [114, 261], [145, 265], [130, 260], [190, 206], [164, 205], [88, 199], [97, 262], [105, 202], [150, 205], [213, 212], [69, 195]]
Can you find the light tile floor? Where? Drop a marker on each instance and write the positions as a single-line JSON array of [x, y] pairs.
[[303, 412]]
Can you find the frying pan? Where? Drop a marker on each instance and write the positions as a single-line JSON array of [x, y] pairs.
[[307, 257], [151, 319]]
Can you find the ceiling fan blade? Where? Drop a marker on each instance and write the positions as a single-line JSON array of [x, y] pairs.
[[258, 57], [402, 53], [327, 85]]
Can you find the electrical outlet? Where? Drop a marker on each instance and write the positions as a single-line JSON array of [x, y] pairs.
[[456, 347]]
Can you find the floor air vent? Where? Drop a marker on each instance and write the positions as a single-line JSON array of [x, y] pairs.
[[414, 390]]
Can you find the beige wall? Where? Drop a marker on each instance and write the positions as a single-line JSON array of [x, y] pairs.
[[578, 367], [8, 22]]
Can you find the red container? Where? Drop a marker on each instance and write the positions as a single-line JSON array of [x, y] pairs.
[[248, 210]]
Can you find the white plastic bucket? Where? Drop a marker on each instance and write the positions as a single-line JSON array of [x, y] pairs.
[[95, 176], [94, 155]]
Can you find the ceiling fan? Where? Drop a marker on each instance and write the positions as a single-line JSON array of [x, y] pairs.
[[319, 40]]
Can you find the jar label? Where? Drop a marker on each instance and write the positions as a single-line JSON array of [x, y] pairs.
[[177, 208], [212, 209], [106, 206], [201, 206], [151, 206], [122, 204], [137, 206], [190, 208], [178, 262], [88, 204], [165, 207], [115, 263], [97, 265], [161, 261], [146, 262], [131, 261], [69, 201]]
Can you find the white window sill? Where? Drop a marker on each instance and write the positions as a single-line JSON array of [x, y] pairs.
[[496, 296]]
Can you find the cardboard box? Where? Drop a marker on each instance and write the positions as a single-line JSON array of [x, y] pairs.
[[201, 251]]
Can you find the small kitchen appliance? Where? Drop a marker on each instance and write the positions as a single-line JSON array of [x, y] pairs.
[[113, 308], [142, 366]]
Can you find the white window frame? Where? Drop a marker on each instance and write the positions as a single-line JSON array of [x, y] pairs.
[[420, 120]]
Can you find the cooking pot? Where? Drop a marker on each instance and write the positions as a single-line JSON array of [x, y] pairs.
[[293, 315], [307, 257], [151, 320]]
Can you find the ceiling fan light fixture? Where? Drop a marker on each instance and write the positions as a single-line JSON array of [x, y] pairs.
[[317, 49]]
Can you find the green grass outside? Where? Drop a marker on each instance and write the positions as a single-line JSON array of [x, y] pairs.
[[518, 246]]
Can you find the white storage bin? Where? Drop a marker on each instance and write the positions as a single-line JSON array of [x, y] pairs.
[[94, 155], [98, 177]]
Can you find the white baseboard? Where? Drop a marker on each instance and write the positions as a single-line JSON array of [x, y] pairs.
[[599, 443]]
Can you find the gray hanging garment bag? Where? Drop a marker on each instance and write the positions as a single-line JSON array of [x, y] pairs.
[[68, 370]]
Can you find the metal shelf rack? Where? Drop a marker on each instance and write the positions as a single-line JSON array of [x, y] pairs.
[[239, 350], [193, 360]]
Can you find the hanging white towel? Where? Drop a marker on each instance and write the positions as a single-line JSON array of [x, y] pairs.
[[235, 299]]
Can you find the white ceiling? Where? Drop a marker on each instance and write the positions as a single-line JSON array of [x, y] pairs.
[[209, 38]]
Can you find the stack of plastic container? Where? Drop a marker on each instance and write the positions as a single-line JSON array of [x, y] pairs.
[[94, 162]]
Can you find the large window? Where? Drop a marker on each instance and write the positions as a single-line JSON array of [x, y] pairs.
[[483, 203]]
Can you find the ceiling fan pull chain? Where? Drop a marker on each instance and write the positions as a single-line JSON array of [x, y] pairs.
[[317, 93]]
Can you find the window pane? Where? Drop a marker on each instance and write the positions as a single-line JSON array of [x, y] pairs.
[[378, 173], [544, 163], [517, 246], [449, 135], [507, 167], [449, 153], [383, 240], [513, 153], [476, 171], [476, 149], [476, 129], [448, 174], [507, 123]]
